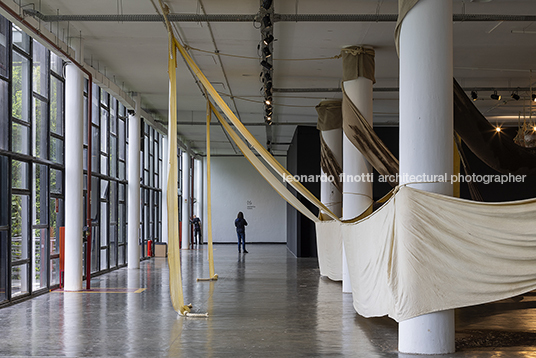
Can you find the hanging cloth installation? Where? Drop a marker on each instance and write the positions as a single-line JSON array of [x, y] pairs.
[[213, 276], [174, 258]]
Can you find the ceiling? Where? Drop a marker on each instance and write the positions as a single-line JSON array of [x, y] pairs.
[[487, 55]]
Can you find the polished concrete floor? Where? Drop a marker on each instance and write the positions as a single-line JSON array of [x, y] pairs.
[[266, 303]]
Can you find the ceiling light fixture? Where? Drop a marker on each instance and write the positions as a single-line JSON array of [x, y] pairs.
[[268, 39], [474, 95], [266, 21], [533, 97], [515, 96], [268, 101], [266, 65], [495, 96], [266, 52], [498, 129], [266, 4]]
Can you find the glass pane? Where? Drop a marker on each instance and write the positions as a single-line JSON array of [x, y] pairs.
[[113, 117], [20, 218], [121, 255], [121, 139], [95, 152], [21, 138], [104, 224], [95, 112], [40, 69], [95, 192], [104, 97], [20, 88], [56, 64], [54, 272], [39, 255], [20, 174], [122, 170], [56, 215], [4, 114], [121, 223], [5, 216], [56, 150], [104, 131], [3, 264], [40, 129], [113, 156], [56, 106], [20, 39], [40, 198], [95, 248], [104, 189], [85, 121], [84, 159], [113, 246], [19, 280], [4, 60], [56, 181], [104, 164], [113, 202]]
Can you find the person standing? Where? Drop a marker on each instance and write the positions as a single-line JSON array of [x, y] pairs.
[[240, 224], [196, 222]]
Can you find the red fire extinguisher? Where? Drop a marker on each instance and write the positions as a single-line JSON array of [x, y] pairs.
[[149, 248]]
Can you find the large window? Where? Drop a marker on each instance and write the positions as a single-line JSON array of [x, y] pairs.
[[31, 164]]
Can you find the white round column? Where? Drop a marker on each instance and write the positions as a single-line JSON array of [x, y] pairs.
[[134, 187], [164, 181], [357, 195], [185, 199], [74, 172], [198, 165], [426, 130], [330, 196]]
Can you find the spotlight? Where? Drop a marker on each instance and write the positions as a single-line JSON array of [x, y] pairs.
[[534, 98], [266, 21], [268, 101], [269, 112], [269, 85], [267, 77], [474, 95], [268, 93], [266, 65], [498, 129], [267, 4], [495, 96], [534, 128], [268, 39], [515, 96], [266, 52]]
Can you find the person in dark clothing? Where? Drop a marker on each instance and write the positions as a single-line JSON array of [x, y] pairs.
[[196, 222], [240, 224]]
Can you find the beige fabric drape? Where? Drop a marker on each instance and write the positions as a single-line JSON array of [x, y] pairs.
[[362, 135], [357, 62], [424, 252], [329, 115], [404, 6], [329, 164]]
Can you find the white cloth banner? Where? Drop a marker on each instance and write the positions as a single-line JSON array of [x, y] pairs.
[[423, 252]]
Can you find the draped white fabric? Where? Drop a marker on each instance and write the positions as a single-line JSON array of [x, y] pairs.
[[424, 252]]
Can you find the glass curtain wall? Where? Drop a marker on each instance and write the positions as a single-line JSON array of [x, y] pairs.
[[31, 164]]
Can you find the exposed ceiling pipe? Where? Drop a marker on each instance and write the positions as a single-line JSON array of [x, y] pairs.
[[394, 89], [255, 17]]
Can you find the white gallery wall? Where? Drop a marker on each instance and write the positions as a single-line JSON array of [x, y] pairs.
[[236, 186]]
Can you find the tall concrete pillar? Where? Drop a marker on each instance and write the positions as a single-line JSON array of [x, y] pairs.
[[198, 185], [134, 186], [426, 132], [185, 185], [164, 181], [357, 194], [74, 171]]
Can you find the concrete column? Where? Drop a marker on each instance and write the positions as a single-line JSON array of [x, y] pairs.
[[74, 149], [357, 195], [185, 185], [164, 181], [426, 126], [134, 186], [198, 206], [329, 194]]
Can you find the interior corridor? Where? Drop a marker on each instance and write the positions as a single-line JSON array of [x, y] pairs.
[[266, 303]]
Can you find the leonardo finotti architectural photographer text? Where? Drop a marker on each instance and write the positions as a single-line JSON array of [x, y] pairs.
[[406, 178]]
